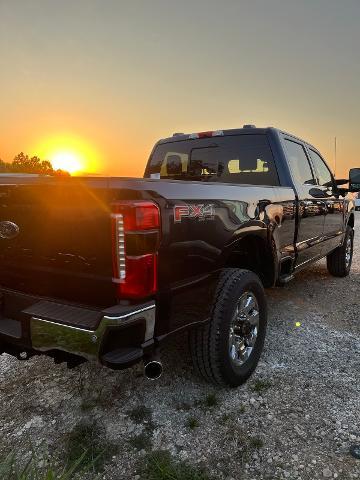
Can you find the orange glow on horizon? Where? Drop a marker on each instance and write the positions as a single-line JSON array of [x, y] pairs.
[[70, 153]]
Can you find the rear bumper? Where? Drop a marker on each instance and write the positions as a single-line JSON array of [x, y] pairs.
[[116, 337]]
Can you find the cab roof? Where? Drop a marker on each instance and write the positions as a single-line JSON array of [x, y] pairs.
[[246, 129]]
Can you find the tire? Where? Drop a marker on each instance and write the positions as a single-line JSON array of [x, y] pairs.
[[339, 261], [214, 356]]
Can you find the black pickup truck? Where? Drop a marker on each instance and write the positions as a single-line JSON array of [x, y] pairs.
[[107, 268]]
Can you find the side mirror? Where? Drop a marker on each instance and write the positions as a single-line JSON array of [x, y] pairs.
[[354, 180], [341, 181], [318, 193]]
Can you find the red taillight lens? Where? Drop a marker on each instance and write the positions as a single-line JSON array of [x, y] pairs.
[[135, 237], [205, 134], [141, 277], [138, 215]]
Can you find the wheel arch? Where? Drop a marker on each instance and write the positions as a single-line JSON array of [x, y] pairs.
[[255, 252]]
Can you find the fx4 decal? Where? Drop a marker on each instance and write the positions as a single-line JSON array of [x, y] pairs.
[[199, 211]]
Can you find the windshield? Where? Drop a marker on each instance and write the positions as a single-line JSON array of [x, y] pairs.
[[232, 159]]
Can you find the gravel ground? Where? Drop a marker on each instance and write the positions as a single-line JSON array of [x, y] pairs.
[[296, 418]]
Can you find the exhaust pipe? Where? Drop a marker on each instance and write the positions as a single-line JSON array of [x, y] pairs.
[[153, 368]]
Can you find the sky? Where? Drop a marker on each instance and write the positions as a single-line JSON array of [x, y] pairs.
[[100, 81]]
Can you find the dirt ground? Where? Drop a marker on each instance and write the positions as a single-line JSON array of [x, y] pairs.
[[296, 418]]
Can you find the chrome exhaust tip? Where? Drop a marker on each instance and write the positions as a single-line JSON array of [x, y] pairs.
[[153, 369]]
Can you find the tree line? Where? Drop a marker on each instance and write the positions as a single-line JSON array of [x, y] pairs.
[[25, 164]]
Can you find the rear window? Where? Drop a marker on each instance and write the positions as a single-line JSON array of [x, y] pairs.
[[243, 159]]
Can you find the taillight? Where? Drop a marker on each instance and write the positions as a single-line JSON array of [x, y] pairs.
[[211, 133], [135, 240]]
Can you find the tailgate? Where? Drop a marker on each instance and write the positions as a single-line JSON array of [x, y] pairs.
[[55, 241]]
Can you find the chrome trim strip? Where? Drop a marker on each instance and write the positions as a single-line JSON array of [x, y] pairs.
[[63, 325], [312, 259], [48, 335], [130, 314]]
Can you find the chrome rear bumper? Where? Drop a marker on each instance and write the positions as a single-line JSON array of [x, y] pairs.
[[55, 327]]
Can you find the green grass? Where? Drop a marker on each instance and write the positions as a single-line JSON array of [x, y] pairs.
[[192, 423], [88, 442], [261, 386], [39, 468], [159, 465]]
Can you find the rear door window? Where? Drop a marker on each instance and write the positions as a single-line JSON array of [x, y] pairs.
[[299, 163], [245, 159]]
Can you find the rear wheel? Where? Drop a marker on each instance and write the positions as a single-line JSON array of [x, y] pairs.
[[339, 261], [227, 349]]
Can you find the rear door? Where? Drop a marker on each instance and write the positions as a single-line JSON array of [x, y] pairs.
[[334, 218], [311, 209]]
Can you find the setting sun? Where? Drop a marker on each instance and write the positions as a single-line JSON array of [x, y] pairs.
[[70, 153], [68, 161]]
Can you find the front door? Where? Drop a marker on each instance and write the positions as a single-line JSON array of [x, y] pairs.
[[334, 218]]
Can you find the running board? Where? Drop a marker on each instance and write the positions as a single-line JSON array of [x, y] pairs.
[[122, 357], [284, 279]]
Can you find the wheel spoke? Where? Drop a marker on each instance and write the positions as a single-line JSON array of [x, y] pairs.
[[251, 339], [249, 304], [348, 252], [253, 318], [244, 328], [248, 352]]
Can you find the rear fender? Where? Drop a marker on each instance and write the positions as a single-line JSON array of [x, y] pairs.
[[255, 251]]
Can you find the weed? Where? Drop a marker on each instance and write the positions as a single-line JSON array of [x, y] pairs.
[[97, 397], [211, 400], [256, 442], [141, 441], [159, 465], [236, 437], [87, 404], [192, 423], [88, 441], [40, 468], [224, 419], [261, 386], [140, 414]]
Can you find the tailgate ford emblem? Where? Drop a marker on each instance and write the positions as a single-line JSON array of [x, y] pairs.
[[8, 229]]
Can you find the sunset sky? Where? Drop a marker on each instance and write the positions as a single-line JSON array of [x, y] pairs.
[[96, 83]]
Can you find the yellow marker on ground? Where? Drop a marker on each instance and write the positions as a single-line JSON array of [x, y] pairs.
[[297, 324]]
